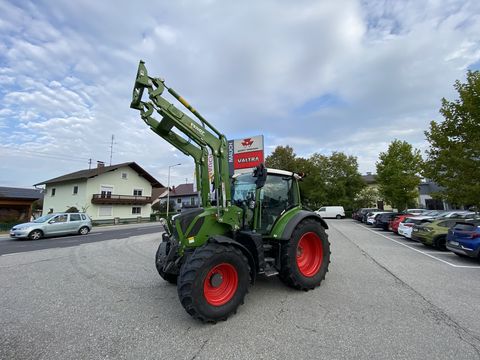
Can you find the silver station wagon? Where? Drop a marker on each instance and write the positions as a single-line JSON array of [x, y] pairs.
[[53, 225]]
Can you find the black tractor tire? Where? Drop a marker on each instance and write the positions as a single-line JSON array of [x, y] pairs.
[[171, 278], [440, 243], [304, 267], [84, 230], [35, 235], [213, 282]]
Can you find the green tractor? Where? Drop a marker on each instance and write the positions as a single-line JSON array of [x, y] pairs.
[[248, 225]]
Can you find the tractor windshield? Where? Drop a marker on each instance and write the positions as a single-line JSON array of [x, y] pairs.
[[243, 188]]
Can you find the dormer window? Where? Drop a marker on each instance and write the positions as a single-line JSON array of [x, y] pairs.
[[124, 176]]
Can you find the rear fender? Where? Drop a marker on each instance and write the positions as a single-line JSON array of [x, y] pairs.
[[295, 220], [224, 240]]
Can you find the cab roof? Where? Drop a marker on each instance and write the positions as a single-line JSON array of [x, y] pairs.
[[274, 172]]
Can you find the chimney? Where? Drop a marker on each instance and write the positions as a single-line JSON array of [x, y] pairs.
[[100, 164]]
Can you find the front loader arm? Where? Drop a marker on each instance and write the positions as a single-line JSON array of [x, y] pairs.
[[199, 153], [173, 118]]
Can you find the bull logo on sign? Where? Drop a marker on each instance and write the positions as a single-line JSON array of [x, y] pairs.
[[247, 142]]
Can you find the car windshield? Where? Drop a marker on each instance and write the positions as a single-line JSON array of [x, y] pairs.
[[43, 219], [243, 187]]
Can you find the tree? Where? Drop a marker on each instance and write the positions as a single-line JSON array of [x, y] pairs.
[[344, 180], [330, 180], [453, 160], [398, 172], [282, 158], [365, 198], [72, 209]]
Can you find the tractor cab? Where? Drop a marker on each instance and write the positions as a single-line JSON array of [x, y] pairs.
[[265, 201]]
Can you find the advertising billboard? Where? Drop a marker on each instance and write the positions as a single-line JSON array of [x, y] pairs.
[[245, 153]]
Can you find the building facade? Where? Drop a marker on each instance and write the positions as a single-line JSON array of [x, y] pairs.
[[121, 191], [183, 196], [16, 203]]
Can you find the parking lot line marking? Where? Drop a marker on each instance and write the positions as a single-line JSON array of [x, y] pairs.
[[422, 252]]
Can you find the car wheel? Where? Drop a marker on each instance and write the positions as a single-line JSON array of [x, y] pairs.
[[339, 216], [440, 243], [35, 235], [84, 230]]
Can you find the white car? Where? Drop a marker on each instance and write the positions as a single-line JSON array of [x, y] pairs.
[[406, 226]]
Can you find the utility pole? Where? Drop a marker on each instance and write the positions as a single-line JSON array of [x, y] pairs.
[[90, 164]]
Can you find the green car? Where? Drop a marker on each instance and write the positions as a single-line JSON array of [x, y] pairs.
[[434, 232]]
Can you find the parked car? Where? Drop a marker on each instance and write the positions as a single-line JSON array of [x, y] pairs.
[[372, 215], [455, 213], [464, 239], [52, 225], [367, 214], [383, 220], [434, 233], [406, 226], [433, 213], [416, 211], [358, 215], [395, 222], [337, 212]]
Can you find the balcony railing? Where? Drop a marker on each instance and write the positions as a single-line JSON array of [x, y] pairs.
[[112, 199]]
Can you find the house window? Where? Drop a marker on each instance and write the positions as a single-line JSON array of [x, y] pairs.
[[124, 176], [53, 191], [137, 192], [179, 201], [105, 211], [136, 210], [106, 191], [75, 190], [192, 201]]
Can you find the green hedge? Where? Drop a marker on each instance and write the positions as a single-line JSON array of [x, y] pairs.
[[7, 226]]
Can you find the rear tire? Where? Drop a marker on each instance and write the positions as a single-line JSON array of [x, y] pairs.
[[338, 216], [84, 230], [306, 256], [213, 282], [35, 235]]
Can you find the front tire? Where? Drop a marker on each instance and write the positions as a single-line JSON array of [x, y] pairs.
[[213, 282], [306, 256], [171, 278], [35, 235], [338, 216]]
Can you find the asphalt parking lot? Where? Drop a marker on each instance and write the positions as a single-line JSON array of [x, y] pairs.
[[384, 297]]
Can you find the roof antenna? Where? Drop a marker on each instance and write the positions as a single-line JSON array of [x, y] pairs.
[[111, 149]]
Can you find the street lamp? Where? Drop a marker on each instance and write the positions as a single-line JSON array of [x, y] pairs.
[[168, 187]]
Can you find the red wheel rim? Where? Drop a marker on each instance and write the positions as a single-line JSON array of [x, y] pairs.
[[309, 254], [220, 284]]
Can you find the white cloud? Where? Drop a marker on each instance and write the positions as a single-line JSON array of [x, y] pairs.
[[67, 72]]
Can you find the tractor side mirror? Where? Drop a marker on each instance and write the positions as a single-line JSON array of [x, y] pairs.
[[260, 173]]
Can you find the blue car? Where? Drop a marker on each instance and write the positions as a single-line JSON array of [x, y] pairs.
[[464, 238]]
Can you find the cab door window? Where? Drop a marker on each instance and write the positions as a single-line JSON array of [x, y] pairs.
[[277, 196]]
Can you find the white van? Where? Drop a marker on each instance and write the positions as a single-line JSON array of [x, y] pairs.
[[331, 212]]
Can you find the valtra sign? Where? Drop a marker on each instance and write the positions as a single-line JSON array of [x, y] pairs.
[[247, 153]]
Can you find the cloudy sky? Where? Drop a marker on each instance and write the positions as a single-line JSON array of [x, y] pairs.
[[320, 76]]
